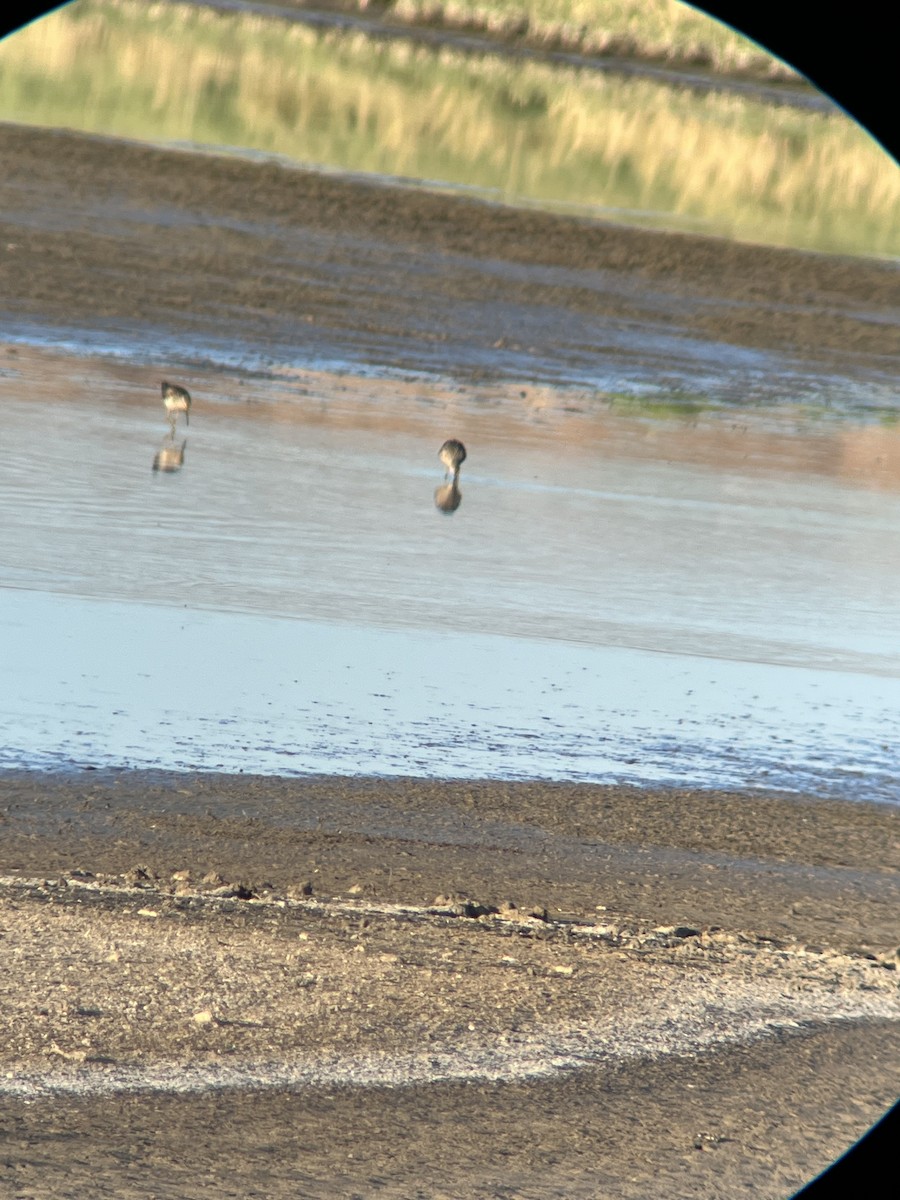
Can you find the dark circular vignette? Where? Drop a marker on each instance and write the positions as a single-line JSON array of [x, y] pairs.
[[851, 58], [849, 55], [867, 1169]]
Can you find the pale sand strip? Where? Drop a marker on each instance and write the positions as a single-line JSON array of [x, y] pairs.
[[158, 998]]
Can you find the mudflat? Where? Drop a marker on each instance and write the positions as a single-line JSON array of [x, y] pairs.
[[355, 986], [403, 987], [281, 257]]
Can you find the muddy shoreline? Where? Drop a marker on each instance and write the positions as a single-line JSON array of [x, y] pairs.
[[124, 962], [822, 871], [204, 963], [284, 259]]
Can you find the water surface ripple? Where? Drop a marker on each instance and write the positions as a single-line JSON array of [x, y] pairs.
[[290, 601]]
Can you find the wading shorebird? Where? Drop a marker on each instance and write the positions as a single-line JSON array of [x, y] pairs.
[[452, 454], [176, 399]]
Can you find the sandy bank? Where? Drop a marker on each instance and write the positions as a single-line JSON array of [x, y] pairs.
[[178, 940]]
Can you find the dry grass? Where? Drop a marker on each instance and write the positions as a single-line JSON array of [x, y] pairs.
[[662, 30], [559, 137]]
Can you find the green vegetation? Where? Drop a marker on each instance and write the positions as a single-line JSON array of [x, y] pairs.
[[578, 140], [676, 405]]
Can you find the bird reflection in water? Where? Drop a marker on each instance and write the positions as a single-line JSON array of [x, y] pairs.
[[448, 497], [170, 456]]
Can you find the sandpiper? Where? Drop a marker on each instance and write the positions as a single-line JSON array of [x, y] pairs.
[[176, 399], [452, 454]]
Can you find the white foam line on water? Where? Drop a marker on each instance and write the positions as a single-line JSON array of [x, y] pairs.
[[694, 1028]]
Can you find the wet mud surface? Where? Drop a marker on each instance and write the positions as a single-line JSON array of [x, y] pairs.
[[819, 870], [422, 988], [292, 261], [711, 1125]]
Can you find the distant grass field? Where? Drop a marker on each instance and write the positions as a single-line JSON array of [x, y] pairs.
[[628, 149], [661, 30]]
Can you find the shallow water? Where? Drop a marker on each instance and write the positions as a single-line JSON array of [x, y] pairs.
[[699, 601]]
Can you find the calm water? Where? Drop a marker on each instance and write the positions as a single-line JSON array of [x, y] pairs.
[[291, 600], [631, 587]]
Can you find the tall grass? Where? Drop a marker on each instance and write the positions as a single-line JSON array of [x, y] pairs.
[[630, 148], [662, 30]]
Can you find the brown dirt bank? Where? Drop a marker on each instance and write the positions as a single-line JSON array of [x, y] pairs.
[[156, 983], [285, 1003], [95, 230], [818, 870]]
